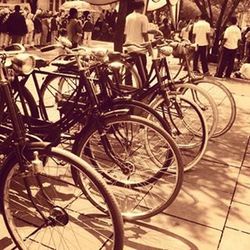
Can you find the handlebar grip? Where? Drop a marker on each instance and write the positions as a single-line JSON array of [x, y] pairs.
[[48, 48]]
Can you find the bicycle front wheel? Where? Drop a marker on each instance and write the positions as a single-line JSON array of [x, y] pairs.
[[134, 156], [47, 209]]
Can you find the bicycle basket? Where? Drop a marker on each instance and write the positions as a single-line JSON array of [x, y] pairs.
[[178, 51]]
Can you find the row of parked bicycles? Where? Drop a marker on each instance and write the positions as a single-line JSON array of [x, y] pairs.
[[95, 143]]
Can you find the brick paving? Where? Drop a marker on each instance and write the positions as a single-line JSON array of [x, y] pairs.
[[212, 210]]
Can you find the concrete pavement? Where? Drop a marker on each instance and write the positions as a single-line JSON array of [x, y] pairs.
[[212, 210]]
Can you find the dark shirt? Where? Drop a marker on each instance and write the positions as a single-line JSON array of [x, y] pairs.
[[37, 25], [16, 24], [88, 26], [3, 23], [54, 25]]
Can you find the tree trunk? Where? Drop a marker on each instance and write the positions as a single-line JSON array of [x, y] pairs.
[[125, 7], [33, 6]]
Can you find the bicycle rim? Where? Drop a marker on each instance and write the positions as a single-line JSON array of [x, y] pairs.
[[70, 220], [188, 126], [225, 104], [144, 187], [204, 101]]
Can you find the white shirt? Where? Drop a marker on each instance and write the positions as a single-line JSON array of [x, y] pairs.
[[233, 35], [136, 25], [201, 29]]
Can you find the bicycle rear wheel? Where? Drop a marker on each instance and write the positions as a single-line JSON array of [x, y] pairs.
[[188, 125], [134, 156], [204, 101], [225, 104], [46, 209]]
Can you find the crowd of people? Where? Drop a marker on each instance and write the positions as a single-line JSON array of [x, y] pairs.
[[234, 44], [39, 29], [43, 27]]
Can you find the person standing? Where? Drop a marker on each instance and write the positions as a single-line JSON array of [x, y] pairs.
[[136, 31], [247, 44], [87, 28], [16, 25], [165, 28], [201, 36], [45, 28], [54, 28], [4, 36], [229, 44], [28, 40], [37, 28], [74, 28]]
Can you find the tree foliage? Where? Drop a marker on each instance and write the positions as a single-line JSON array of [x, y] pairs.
[[226, 8]]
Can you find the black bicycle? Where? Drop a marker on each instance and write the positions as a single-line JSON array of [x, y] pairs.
[[44, 206], [133, 155], [190, 136]]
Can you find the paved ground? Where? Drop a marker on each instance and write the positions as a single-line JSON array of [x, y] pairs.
[[213, 208]]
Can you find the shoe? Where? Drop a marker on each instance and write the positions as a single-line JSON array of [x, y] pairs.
[[198, 73], [218, 76], [207, 73]]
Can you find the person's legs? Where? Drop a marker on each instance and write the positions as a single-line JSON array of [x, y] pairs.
[[88, 37], [230, 62], [140, 61], [203, 56], [1, 39], [16, 39], [222, 63], [141, 65], [7, 39], [196, 59], [53, 36]]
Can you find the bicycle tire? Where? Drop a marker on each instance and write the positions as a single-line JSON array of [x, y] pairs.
[[204, 101], [189, 128], [141, 109], [54, 91], [125, 78], [29, 102], [143, 174], [225, 104], [71, 221]]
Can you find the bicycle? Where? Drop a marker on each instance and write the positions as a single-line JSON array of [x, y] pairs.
[[53, 90], [221, 95], [119, 135], [43, 205]]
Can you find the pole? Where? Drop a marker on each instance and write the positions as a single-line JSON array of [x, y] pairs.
[[146, 6]]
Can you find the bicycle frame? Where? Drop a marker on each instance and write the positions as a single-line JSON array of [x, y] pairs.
[[53, 131]]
